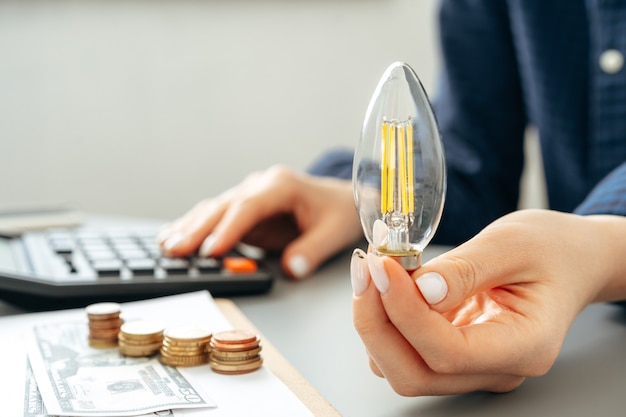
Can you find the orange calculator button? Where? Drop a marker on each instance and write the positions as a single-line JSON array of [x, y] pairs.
[[239, 264]]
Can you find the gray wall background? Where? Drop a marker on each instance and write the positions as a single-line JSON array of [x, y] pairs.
[[144, 107]]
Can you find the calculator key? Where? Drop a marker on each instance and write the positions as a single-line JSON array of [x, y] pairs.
[[107, 267], [208, 264], [141, 266], [175, 265], [239, 264], [99, 254], [62, 246], [128, 254]]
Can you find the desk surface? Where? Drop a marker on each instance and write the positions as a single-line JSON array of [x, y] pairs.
[[310, 323]]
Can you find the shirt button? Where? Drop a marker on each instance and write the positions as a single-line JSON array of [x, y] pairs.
[[611, 61]]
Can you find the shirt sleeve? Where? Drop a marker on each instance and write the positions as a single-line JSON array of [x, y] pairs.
[[608, 197]]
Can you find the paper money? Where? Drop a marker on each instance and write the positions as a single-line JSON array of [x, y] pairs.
[[77, 380], [34, 406]]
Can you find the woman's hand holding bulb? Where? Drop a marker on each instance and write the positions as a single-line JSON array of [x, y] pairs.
[[504, 302]]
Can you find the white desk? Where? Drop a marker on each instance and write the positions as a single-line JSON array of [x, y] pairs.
[[310, 323]]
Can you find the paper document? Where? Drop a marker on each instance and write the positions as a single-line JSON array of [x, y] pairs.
[[74, 379]]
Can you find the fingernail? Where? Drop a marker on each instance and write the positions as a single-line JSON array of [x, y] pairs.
[[433, 287], [299, 266], [173, 241], [163, 234], [359, 274], [380, 231], [379, 274], [206, 249]]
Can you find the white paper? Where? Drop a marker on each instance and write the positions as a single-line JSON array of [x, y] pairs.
[[259, 393]]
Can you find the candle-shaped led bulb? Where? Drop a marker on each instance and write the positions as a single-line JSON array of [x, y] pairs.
[[399, 175]]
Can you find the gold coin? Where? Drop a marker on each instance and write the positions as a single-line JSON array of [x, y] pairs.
[[237, 353], [179, 343], [137, 351], [142, 331], [140, 340], [235, 337], [183, 352], [103, 311], [235, 368], [242, 356], [153, 345], [102, 344], [187, 334], [232, 362], [181, 346], [190, 361], [199, 356], [233, 347]]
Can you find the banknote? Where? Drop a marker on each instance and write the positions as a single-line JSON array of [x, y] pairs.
[[75, 379], [34, 406]]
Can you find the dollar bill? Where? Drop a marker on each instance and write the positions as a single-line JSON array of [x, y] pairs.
[[75, 379], [34, 406]]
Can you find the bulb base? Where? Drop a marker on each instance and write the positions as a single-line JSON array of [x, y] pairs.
[[410, 261]]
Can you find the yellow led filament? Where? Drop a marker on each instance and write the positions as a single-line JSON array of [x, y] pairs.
[[397, 192]]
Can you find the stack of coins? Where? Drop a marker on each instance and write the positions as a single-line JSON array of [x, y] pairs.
[[140, 338], [235, 352], [104, 324], [185, 346]]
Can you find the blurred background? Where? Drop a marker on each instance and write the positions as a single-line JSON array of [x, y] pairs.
[[144, 107]]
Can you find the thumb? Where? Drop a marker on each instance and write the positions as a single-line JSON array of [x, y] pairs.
[[474, 267]]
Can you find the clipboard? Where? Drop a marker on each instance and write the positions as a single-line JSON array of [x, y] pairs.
[[315, 402]]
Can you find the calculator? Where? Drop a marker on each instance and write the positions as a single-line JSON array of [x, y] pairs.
[[74, 266]]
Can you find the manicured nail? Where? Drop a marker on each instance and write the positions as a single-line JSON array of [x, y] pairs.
[[433, 287], [299, 266], [173, 241], [359, 273], [206, 249], [163, 234], [378, 272], [380, 231]]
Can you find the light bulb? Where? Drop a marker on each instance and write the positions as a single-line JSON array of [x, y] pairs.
[[399, 174]]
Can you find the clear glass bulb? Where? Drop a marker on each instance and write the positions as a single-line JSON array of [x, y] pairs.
[[399, 174]]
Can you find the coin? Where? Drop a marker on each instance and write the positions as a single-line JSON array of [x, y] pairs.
[[235, 356], [103, 311], [235, 337], [114, 323], [102, 344], [183, 350], [187, 334], [235, 352], [185, 346], [104, 324], [139, 350], [184, 361], [140, 338], [104, 333], [141, 329], [235, 368]]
